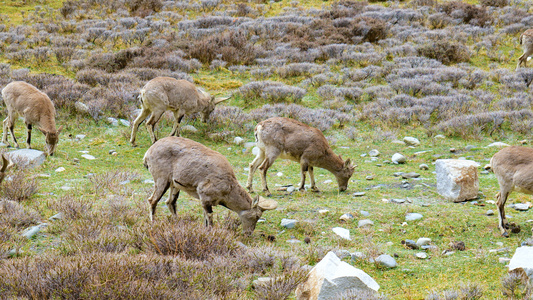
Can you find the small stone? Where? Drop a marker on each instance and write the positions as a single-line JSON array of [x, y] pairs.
[[429, 247], [81, 107], [32, 231], [373, 153], [398, 158], [57, 216], [346, 217], [453, 150], [398, 142], [411, 141], [288, 223], [125, 122], [386, 261], [397, 174], [249, 145], [328, 181], [148, 181], [112, 152], [291, 189], [238, 140], [423, 241], [279, 174], [342, 232], [421, 255], [369, 177], [490, 212], [504, 260], [112, 121], [364, 213], [399, 201], [357, 255], [487, 167], [413, 216], [323, 211], [76, 160], [358, 194], [439, 137], [498, 145], [423, 167], [307, 240], [88, 156], [523, 142], [80, 136], [365, 222], [410, 244], [294, 241], [410, 175], [60, 169], [521, 206]]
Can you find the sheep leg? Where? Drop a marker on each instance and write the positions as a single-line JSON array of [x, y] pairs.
[[312, 178], [208, 214], [304, 168], [11, 123], [172, 198], [150, 124], [160, 188], [140, 118], [28, 141], [5, 128], [271, 154], [253, 167], [501, 197], [175, 130]]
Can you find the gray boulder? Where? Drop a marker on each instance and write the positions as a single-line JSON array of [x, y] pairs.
[[27, 158], [457, 179], [522, 262], [398, 158], [330, 277], [411, 141]]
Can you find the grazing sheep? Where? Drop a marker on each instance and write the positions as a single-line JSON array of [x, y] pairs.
[[182, 164], [35, 107], [290, 139], [179, 96]]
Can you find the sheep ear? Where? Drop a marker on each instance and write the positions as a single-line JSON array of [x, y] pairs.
[[220, 99], [6, 164], [255, 201], [347, 163], [60, 128]]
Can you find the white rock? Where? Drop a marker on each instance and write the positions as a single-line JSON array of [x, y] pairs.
[[255, 151], [457, 180], [60, 169], [291, 189], [188, 128], [411, 141], [522, 260], [386, 261], [149, 181], [328, 181], [112, 121], [342, 232], [238, 140], [330, 277], [27, 158], [423, 241], [288, 223], [498, 145], [346, 217], [439, 137], [398, 158], [521, 206], [323, 211], [124, 122], [421, 255], [32, 231], [88, 156], [423, 167], [80, 136], [365, 222], [374, 153], [279, 174], [413, 216], [81, 107]]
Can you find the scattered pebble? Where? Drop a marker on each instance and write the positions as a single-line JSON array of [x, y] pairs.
[[410, 175], [398, 158], [323, 211], [238, 140], [498, 145], [504, 260], [521, 206], [386, 261], [490, 212], [60, 169], [342, 232], [369, 177], [293, 241], [364, 213], [421, 255], [423, 167], [328, 181], [88, 156], [346, 217], [439, 137], [399, 201], [365, 222], [373, 153], [410, 244], [423, 241], [413, 216], [411, 141], [358, 194], [288, 223]]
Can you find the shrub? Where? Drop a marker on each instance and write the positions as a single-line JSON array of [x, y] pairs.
[[19, 185], [271, 91], [468, 13], [143, 8], [494, 3], [92, 77], [15, 215], [232, 47], [444, 51], [112, 62]]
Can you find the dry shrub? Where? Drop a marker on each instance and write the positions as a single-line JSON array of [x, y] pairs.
[[73, 208], [281, 285], [190, 239], [19, 185], [360, 294], [112, 62], [232, 47], [143, 8], [516, 285], [495, 3], [112, 181], [469, 13], [445, 51], [13, 214]]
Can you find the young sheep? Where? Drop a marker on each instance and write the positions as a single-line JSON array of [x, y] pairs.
[[290, 139], [35, 107], [180, 96], [526, 40], [513, 167], [182, 164]]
